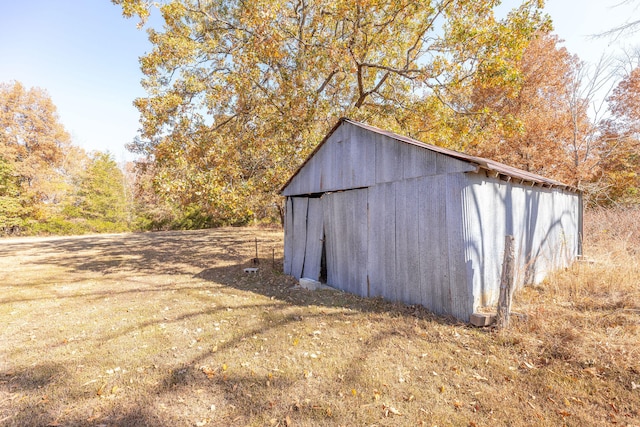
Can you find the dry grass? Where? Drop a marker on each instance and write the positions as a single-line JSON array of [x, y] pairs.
[[165, 329]]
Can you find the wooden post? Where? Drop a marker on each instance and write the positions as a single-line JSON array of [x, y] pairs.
[[506, 284], [256, 260]]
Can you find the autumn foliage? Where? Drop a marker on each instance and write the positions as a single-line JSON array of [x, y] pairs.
[[240, 93], [47, 185]]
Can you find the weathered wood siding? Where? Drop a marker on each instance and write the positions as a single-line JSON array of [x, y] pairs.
[[543, 221]]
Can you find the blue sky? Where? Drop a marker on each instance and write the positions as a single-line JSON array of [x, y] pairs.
[[85, 54]]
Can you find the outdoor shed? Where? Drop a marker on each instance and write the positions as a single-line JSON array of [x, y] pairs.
[[375, 213]]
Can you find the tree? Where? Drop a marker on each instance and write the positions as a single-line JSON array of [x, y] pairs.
[[620, 143], [32, 146], [631, 26], [549, 127], [240, 92], [100, 196], [11, 210]]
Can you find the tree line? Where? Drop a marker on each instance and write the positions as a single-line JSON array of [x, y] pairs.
[[48, 185], [240, 92]]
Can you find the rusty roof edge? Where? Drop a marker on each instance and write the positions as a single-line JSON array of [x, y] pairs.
[[480, 162]]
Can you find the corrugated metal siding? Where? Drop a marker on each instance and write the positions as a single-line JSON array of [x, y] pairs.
[[346, 129], [354, 157], [300, 206], [544, 223], [313, 247], [382, 242], [433, 244], [460, 286], [345, 225], [288, 235], [413, 225], [408, 254]]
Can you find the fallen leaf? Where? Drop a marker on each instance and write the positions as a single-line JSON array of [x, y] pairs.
[[210, 373], [100, 390], [390, 410], [479, 377], [354, 392]]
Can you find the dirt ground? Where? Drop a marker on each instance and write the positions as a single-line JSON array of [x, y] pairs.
[[166, 329]]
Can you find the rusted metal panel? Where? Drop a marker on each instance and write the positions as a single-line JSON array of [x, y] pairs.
[[313, 247]]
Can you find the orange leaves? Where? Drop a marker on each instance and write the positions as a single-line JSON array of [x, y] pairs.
[[210, 373], [239, 93]]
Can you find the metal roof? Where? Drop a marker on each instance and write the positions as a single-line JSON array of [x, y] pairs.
[[492, 168]]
